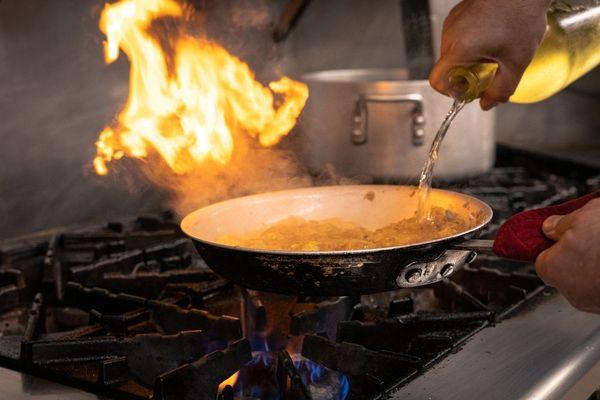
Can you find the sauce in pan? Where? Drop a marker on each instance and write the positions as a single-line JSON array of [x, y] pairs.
[[299, 234]]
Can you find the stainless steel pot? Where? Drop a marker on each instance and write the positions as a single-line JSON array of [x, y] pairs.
[[376, 123]]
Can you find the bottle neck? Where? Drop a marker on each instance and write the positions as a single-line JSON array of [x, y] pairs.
[[466, 83]]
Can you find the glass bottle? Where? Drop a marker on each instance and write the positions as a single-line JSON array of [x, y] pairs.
[[571, 47]]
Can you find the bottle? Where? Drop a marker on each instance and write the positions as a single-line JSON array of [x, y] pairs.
[[571, 47]]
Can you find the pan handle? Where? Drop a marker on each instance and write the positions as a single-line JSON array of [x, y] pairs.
[[521, 237], [360, 116], [421, 273], [478, 245]]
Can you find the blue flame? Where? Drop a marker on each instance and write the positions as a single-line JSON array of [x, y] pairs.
[[344, 387], [263, 357], [259, 342], [315, 375], [257, 379]]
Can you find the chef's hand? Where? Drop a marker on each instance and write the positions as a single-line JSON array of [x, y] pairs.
[[507, 32], [572, 264]]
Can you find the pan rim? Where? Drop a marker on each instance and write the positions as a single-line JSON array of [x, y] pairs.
[[185, 222]]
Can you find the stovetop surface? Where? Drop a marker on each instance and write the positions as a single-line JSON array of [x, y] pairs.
[[19, 386], [129, 309], [541, 352]]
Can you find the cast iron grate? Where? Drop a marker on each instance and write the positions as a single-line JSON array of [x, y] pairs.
[[129, 309]]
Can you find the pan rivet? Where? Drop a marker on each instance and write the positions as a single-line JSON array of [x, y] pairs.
[[447, 269], [413, 276], [471, 257]]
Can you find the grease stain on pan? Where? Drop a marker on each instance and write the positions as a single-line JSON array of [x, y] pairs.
[[370, 195]]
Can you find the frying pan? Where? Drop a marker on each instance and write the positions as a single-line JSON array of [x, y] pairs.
[[334, 273]]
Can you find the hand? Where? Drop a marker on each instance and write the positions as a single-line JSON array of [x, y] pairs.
[[572, 264], [507, 32]]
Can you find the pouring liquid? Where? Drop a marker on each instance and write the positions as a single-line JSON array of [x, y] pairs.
[[424, 206]]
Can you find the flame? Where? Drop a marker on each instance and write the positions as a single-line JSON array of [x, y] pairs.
[[255, 379], [231, 381], [187, 113]]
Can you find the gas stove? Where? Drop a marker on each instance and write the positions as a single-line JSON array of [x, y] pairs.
[[129, 310]]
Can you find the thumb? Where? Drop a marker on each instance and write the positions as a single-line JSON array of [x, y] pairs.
[[549, 226], [555, 226]]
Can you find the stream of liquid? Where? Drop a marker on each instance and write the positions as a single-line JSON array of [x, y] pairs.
[[424, 207]]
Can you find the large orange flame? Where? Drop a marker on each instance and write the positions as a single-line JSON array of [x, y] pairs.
[[188, 113]]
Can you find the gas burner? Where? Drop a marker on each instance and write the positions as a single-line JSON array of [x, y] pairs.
[[116, 313]]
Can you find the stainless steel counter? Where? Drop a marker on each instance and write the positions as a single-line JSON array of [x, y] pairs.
[[539, 353], [18, 386]]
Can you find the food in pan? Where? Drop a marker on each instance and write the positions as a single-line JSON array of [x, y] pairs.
[[299, 234]]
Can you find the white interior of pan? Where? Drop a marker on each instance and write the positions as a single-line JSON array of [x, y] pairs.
[[372, 206]]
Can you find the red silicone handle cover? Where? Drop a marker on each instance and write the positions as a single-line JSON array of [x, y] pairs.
[[521, 236]]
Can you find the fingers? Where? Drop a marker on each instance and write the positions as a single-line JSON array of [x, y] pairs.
[[503, 86], [450, 54], [543, 266], [571, 264], [438, 78], [553, 264], [550, 263], [563, 266]]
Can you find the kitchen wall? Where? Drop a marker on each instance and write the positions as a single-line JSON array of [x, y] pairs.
[[56, 94]]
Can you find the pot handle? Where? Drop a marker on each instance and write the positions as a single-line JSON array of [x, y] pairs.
[[360, 115]]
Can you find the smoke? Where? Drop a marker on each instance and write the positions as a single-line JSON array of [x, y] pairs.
[[251, 15], [252, 169]]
